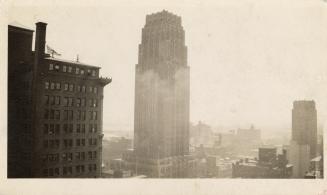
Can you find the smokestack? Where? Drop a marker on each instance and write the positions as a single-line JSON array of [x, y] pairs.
[[39, 42]]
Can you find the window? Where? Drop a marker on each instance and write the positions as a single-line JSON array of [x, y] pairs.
[[83, 102], [77, 154], [78, 102], [52, 114], [83, 89], [89, 154], [57, 100], [82, 72], [71, 115], [56, 171], [66, 128], [77, 70], [66, 86], [66, 114], [52, 100], [83, 115], [71, 87], [83, 128], [68, 101], [46, 100], [90, 89], [78, 88], [46, 85], [91, 102], [90, 128], [95, 128], [46, 113], [64, 68], [50, 66], [57, 129], [94, 115], [70, 69], [57, 114], [58, 86], [68, 143], [94, 154], [95, 103], [57, 67], [65, 101], [95, 90], [83, 142], [52, 129], [93, 73], [71, 127], [78, 117], [78, 128], [52, 86], [78, 142]]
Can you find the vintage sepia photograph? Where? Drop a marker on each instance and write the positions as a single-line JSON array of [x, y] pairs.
[[229, 91]]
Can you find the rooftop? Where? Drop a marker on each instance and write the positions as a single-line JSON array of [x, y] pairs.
[[71, 62], [19, 25]]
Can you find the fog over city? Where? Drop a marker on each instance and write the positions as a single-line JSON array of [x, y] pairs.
[[247, 63]]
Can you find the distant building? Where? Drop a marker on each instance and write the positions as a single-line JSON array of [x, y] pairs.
[[304, 125], [269, 165], [250, 135], [54, 111], [161, 120], [201, 134]]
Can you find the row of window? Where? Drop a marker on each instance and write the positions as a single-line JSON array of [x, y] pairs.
[[69, 114], [68, 143], [69, 87], [53, 172], [54, 129], [71, 69], [69, 101]]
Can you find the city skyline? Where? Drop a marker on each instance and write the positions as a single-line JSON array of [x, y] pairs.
[[264, 89]]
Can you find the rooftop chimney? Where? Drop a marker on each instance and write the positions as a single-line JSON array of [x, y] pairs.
[[39, 42]]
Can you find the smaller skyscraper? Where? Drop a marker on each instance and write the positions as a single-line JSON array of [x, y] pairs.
[[304, 124], [303, 145]]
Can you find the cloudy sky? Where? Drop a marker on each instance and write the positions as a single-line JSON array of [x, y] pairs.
[[249, 59]]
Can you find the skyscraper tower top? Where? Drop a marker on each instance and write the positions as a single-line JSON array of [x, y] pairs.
[[163, 17], [304, 104], [162, 48]]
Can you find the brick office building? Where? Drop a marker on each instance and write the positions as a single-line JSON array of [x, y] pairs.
[[63, 137]]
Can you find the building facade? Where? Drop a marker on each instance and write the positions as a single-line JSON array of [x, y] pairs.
[[161, 118], [65, 116]]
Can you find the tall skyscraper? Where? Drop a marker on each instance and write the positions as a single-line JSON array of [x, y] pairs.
[[161, 119], [54, 111], [304, 124]]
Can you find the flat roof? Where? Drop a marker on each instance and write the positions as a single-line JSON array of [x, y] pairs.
[[71, 62], [19, 25]]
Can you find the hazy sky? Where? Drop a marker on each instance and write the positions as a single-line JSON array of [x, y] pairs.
[[249, 61]]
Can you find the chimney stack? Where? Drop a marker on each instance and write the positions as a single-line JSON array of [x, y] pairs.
[[39, 43]]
